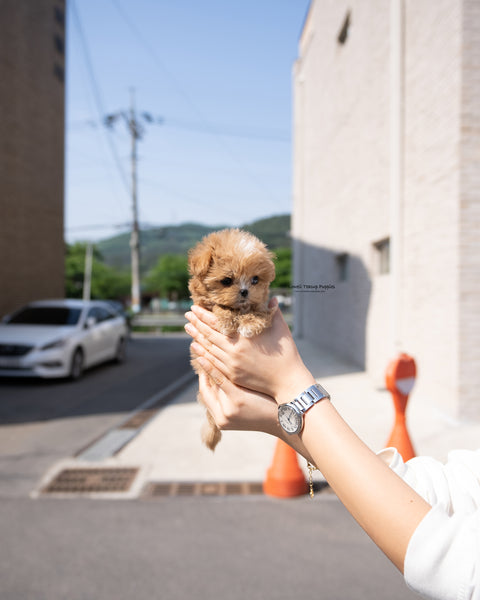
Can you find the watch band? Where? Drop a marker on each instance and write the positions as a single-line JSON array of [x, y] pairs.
[[309, 397], [291, 414]]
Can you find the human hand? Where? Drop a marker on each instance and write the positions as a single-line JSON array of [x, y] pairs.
[[268, 363], [233, 407]]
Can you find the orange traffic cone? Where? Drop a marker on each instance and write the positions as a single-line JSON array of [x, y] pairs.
[[400, 378], [285, 478]]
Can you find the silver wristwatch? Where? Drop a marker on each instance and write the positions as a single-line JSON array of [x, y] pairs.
[[290, 415]]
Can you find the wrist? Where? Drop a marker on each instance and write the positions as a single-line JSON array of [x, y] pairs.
[[295, 386], [291, 415]]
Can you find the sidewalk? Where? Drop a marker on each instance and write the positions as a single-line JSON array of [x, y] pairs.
[[168, 447]]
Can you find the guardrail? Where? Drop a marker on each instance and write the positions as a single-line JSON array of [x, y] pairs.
[[170, 319]]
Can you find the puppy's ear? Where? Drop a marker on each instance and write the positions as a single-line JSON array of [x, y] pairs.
[[271, 269], [269, 266], [200, 259]]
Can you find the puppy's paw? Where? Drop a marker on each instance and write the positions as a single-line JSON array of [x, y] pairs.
[[250, 324], [227, 328], [226, 320], [247, 331]]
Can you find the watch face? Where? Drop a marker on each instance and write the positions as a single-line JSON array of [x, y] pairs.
[[290, 419]]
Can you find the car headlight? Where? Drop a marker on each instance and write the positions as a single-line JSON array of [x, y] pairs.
[[55, 344]]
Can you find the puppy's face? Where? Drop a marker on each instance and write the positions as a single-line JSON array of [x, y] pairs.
[[239, 283], [231, 268]]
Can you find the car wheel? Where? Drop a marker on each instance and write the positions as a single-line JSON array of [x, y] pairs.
[[76, 367], [121, 351]]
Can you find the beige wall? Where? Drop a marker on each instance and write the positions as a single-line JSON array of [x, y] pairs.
[[345, 117], [430, 259], [31, 151], [469, 213], [341, 169]]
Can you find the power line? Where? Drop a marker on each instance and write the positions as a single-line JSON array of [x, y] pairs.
[[99, 226], [97, 95], [225, 147], [151, 51], [190, 199], [213, 129], [208, 128]]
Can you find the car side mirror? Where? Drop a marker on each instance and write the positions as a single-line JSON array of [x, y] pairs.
[[90, 322]]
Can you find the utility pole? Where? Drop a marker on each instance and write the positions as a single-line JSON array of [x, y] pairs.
[[134, 238], [87, 276], [136, 130]]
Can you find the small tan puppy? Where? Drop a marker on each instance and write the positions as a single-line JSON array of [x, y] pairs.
[[231, 271]]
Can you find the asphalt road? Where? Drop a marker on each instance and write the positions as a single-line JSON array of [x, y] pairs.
[[43, 421], [231, 548]]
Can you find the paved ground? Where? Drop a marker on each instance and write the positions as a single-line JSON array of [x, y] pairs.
[[234, 547], [42, 422], [168, 447]]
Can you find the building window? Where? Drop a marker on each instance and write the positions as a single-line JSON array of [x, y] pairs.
[[58, 72], [382, 256], [59, 16], [342, 266], [59, 44], [343, 33]]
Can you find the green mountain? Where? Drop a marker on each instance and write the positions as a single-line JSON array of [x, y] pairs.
[[178, 239]]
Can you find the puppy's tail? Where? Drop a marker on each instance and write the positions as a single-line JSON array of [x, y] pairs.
[[211, 434]]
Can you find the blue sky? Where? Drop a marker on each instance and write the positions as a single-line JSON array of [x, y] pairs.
[[215, 76]]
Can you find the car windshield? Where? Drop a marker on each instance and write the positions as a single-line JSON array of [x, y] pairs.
[[46, 315]]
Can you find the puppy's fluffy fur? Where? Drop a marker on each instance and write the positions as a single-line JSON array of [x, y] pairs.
[[231, 271]]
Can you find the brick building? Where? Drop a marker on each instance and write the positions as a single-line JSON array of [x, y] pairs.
[[387, 189], [32, 43]]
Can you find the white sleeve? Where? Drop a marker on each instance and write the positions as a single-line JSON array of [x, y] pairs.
[[454, 485], [443, 556]]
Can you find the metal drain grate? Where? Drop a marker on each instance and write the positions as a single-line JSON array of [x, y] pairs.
[[229, 488], [87, 481]]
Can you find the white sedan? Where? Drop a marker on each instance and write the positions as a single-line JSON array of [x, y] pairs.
[[60, 338]]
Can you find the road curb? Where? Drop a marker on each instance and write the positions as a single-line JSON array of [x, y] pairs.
[[115, 439], [99, 454]]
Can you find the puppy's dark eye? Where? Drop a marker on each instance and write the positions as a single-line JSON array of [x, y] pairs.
[[254, 280], [227, 281]]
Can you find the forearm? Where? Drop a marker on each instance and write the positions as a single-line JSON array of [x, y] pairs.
[[273, 428], [384, 505]]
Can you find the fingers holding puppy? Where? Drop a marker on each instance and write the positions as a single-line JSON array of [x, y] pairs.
[[204, 349], [215, 376], [202, 330], [207, 340], [234, 355], [233, 407], [207, 317], [205, 322]]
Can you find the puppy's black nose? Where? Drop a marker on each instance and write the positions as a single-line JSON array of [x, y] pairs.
[[244, 293]]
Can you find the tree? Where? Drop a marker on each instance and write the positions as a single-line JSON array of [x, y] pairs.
[[169, 277], [106, 281], [283, 268], [74, 270]]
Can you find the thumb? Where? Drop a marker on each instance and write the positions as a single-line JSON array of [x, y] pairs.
[[273, 302]]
